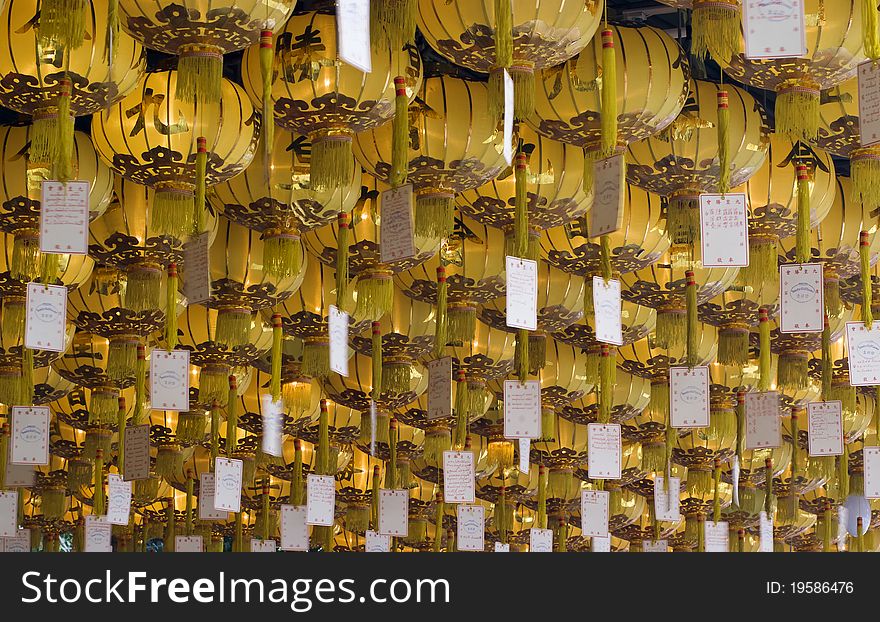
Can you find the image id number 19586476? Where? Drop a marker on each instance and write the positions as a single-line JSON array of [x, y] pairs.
[[811, 587]]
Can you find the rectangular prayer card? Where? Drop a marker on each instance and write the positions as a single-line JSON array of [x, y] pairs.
[[802, 298], [716, 536], [64, 217], [689, 397], [337, 327], [196, 269], [227, 484], [458, 477], [294, 530], [606, 311], [98, 534], [394, 512], [353, 28], [29, 442], [206, 499], [375, 542], [471, 521], [655, 546], [507, 148], [396, 239], [869, 103], [666, 502], [320, 500], [609, 177], [273, 419], [188, 544], [45, 324], [825, 428], [169, 380], [871, 456], [594, 512], [439, 388], [724, 226], [118, 499], [540, 540], [136, 450], [522, 409], [863, 350], [763, 424], [522, 293], [603, 450], [8, 513], [774, 29]]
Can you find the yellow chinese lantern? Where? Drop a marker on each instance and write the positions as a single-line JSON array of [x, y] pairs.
[[200, 35], [524, 37], [453, 146], [41, 75], [317, 95], [152, 138]]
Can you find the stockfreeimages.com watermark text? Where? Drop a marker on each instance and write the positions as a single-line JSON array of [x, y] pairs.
[[300, 594]]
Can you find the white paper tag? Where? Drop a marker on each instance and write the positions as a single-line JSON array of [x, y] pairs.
[[500, 547], [689, 397], [98, 534], [46, 318], [118, 499], [869, 103], [30, 435], [196, 270], [603, 450], [763, 424], [766, 533], [374, 421], [594, 512], [320, 500], [294, 530], [137, 452], [64, 217], [774, 29], [353, 33], [8, 513], [169, 380], [599, 544], [871, 456], [272, 413], [606, 215], [396, 240], [471, 521], [825, 428], [337, 328], [655, 546], [725, 230], [717, 536], [606, 311], [458, 477], [666, 504], [540, 540], [802, 298], [525, 450], [20, 543], [19, 475], [377, 542], [439, 388], [522, 293], [188, 544], [522, 409], [206, 499], [842, 517], [394, 512], [734, 470], [508, 118], [863, 349], [227, 484], [263, 546]]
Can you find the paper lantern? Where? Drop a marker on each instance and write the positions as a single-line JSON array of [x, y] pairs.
[[834, 50], [554, 191], [152, 138], [544, 34], [453, 146], [328, 100], [652, 87], [200, 35]]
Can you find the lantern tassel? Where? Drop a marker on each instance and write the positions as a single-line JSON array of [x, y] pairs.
[[332, 160], [671, 328], [375, 293], [462, 402], [267, 58], [400, 134], [63, 23], [764, 380], [13, 320], [296, 484], [434, 215], [537, 351], [376, 355], [282, 253], [342, 258], [870, 35], [200, 74], [521, 354], [172, 210], [98, 497], [608, 117], [392, 23], [521, 206], [63, 164], [827, 361], [733, 345], [232, 417], [715, 26], [865, 176], [438, 522], [831, 289], [275, 385], [27, 377], [440, 325], [461, 323], [723, 142], [865, 264], [51, 268], [171, 307], [797, 110], [316, 357], [693, 326], [140, 384], [201, 183], [233, 326], [191, 427], [763, 262], [803, 214], [607, 372]]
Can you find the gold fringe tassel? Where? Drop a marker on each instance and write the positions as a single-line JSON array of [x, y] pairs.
[[232, 417], [375, 293], [27, 377], [608, 117], [12, 323], [63, 23], [282, 252], [763, 262], [233, 326], [122, 357], [172, 210], [191, 427], [400, 134], [733, 345], [521, 354], [200, 74], [440, 325], [201, 184], [803, 214], [865, 265], [870, 35], [316, 357], [434, 217], [277, 336], [792, 372], [143, 289], [376, 356], [25, 255], [764, 380], [171, 307], [831, 287], [672, 328], [461, 323], [521, 207], [723, 142], [865, 176], [693, 324], [396, 377], [267, 73], [342, 241], [332, 160], [607, 374], [797, 110], [140, 384], [392, 23], [715, 27]]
